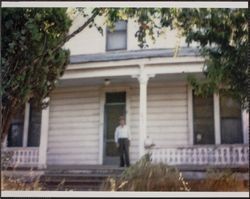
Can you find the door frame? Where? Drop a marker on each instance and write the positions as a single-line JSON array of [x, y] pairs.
[[103, 91]]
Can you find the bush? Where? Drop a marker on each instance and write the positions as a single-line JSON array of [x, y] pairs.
[[6, 159], [145, 176], [217, 180], [19, 184]]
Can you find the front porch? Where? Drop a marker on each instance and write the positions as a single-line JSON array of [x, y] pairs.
[[159, 104], [226, 156]]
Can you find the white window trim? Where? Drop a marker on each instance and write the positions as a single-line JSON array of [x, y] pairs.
[[103, 91]]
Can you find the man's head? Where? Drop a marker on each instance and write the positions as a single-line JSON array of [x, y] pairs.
[[122, 120]]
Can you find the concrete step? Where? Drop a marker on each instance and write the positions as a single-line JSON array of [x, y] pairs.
[[71, 187], [77, 179], [84, 171]]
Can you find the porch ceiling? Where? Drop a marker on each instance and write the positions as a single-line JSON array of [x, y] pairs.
[[123, 80], [96, 81]]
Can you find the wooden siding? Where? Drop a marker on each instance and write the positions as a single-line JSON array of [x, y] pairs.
[[75, 114], [167, 122], [74, 126], [168, 114]]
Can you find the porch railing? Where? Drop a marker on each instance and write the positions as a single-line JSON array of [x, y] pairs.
[[202, 155], [22, 156]]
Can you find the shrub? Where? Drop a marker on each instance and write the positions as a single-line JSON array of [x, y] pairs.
[[216, 180], [145, 176], [6, 159], [11, 183]]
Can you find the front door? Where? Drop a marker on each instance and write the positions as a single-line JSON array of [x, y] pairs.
[[115, 106]]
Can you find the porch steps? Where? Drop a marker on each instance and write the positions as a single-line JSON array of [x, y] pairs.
[[76, 179]]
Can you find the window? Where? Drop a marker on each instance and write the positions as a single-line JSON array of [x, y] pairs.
[[34, 126], [18, 135], [203, 116], [118, 97], [117, 39], [15, 135], [231, 126]]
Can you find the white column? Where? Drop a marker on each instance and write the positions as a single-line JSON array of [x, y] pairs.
[[245, 126], [101, 125], [44, 138], [143, 78], [217, 119], [26, 124], [190, 115]]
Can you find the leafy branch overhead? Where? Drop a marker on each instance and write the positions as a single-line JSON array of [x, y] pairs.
[[221, 35], [33, 57]]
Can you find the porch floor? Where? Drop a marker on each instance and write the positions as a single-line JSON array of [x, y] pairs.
[[115, 167]]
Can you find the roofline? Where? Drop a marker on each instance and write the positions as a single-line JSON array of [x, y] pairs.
[[134, 55]]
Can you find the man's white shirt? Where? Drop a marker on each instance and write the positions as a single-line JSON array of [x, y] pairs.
[[122, 132]]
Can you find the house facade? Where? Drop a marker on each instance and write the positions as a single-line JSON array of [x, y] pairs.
[[109, 76]]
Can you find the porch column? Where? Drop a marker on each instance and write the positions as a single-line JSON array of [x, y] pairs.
[[44, 138], [217, 118], [245, 125], [143, 78], [26, 124]]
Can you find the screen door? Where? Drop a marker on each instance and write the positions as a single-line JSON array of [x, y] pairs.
[[115, 106]]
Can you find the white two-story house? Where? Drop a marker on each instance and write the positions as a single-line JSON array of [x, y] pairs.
[[109, 76]]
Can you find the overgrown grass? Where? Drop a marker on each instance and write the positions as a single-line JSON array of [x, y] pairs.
[[19, 184], [142, 176], [145, 176], [216, 180]]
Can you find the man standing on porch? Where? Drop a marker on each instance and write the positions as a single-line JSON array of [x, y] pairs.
[[122, 139]]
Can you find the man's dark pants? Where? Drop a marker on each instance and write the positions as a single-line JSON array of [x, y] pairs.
[[124, 151]]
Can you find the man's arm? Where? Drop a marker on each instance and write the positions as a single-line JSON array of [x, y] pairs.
[[116, 137], [129, 135]]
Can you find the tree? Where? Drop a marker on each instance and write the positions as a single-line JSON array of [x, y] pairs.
[[33, 58], [222, 35]]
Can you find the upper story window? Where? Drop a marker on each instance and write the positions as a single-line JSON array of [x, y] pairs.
[[117, 38]]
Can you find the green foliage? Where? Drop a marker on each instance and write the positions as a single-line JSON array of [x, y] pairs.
[[222, 35], [29, 64], [31, 59]]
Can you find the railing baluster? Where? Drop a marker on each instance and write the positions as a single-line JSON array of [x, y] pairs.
[[24, 156], [202, 155]]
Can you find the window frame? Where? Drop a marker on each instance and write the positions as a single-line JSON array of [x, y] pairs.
[[126, 38], [241, 123], [26, 127], [217, 120], [213, 118]]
